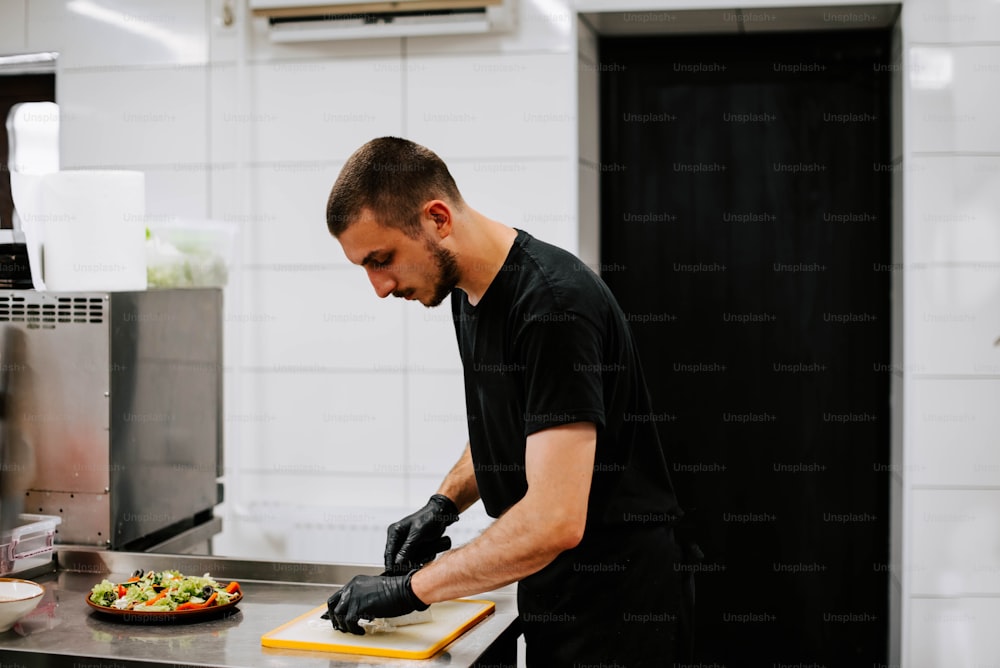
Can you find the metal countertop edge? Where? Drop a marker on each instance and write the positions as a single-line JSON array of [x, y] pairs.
[[501, 626]]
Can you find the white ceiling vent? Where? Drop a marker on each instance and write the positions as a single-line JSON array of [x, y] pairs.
[[320, 20]]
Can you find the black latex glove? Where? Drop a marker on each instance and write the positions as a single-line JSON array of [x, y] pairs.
[[370, 597], [417, 538]]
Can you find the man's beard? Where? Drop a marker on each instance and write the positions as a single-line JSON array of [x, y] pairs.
[[447, 274], [447, 266]]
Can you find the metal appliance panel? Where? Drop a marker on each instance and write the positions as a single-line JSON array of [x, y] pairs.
[[124, 410], [66, 416], [166, 400], [85, 517]]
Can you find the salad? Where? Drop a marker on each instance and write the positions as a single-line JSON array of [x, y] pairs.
[[164, 591]]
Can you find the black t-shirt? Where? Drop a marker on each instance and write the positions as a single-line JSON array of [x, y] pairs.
[[548, 345]]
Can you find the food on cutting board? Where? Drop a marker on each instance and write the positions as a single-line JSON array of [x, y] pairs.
[[389, 624], [164, 591], [383, 624]]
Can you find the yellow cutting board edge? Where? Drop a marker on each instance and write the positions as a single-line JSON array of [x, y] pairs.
[[268, 639]]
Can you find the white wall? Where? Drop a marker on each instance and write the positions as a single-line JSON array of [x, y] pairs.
[[336, 401], [950, 466], [353, 407]]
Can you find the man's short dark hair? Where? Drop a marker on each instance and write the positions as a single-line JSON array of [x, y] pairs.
[[393, 178]]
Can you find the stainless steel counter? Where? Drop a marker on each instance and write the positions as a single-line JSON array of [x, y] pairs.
[[64, 631]]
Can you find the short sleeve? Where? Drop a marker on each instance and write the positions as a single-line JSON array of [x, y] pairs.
[[562, 364]]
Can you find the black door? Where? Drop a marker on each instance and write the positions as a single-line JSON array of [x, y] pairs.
[[746, 231]]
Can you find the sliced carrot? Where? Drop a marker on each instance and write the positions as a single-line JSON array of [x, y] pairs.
[[196, 606], [233, 586], [155, 598]]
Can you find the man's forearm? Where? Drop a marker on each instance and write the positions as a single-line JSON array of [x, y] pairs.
[[460, 483], [549, 518], [513, 547]]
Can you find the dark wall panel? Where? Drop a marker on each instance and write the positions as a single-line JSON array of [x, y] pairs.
[[746, 230]]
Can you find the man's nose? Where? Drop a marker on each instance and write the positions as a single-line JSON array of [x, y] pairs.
[[382, 282]]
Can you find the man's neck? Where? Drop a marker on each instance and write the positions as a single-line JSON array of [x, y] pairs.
[[484, 250]]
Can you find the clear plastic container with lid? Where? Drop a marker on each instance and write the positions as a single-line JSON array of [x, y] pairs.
[[29, 544]]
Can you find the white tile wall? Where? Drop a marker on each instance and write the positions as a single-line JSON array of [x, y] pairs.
[[955, 319], [533, 195], [954, 632], [290, 488], [132, 117], [228, 103], [321, 110], [430, 340], [952, 236], [956, 542], [951, 21], [954, 91], [956, 209], [325, 319], [242, 537], [333, 424], [955, 430], [495, 105], [288, 201], [436, 425], [163, 185], [225, 42], [13, 27], [120, 33]]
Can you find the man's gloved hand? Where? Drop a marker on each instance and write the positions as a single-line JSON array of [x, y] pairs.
[[417, 538], [370, 597]]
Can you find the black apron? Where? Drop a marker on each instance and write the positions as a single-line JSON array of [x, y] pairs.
[[616, 600]]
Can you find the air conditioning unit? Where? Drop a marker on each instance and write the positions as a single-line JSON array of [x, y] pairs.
[[320, 20]]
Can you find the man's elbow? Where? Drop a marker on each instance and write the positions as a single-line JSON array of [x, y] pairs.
[[568, 533]]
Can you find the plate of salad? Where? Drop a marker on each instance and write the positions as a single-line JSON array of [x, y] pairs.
[[164, 596]]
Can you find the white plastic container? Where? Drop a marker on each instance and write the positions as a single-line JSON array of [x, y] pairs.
[[29, 544]]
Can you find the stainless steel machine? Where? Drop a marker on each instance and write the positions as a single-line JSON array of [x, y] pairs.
[[112, 411]]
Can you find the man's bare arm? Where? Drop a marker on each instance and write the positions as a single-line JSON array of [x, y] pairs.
[[559, 465], [460, 483]]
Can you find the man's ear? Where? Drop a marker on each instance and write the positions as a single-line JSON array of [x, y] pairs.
[[440, 213]]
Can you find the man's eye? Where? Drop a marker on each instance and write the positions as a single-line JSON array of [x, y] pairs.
[[383, 263]]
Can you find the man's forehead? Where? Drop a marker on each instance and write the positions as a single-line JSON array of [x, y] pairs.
[[366, 237]]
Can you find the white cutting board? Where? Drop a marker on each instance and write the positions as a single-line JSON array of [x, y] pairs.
[[416, 641]]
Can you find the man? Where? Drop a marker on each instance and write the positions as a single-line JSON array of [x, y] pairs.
[[562, 450]]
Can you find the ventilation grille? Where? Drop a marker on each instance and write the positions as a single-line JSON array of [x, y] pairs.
[[48, 314]]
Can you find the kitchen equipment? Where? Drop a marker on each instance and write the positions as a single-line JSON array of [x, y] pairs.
[[122, 413], [15, 272], [417, 641], [17, 454]]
